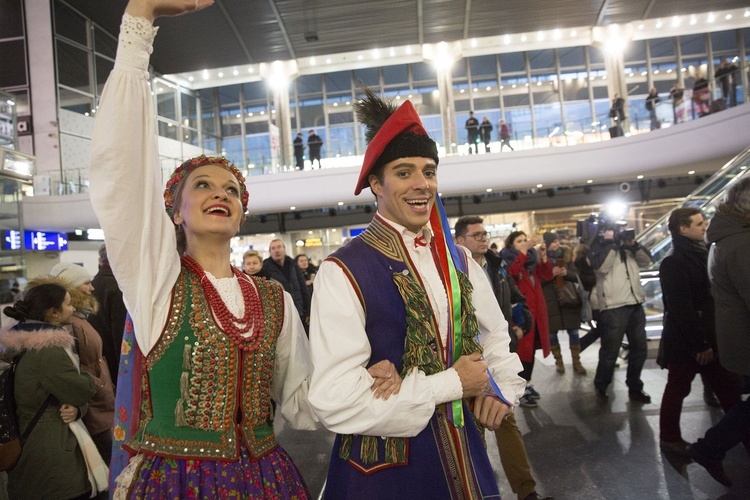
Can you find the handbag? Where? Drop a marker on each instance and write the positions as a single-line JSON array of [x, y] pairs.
[[587, 314], [567, 295]]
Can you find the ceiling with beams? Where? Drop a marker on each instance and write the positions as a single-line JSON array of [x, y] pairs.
[[237, 32]]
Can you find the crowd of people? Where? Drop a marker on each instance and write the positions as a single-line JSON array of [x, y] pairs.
[[408, 342]]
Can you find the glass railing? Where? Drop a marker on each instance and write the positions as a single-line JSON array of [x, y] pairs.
[[658, 240]]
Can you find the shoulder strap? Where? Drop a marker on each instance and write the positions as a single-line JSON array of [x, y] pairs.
[[39, 412], [36, 418]]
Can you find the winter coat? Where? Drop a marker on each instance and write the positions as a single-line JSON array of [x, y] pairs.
[[101, 415], [51, 465], [88, 345], [618, 282], [729, 272], [561, 318], [688, 305], [534, 299], [291, 278], [109, 320]]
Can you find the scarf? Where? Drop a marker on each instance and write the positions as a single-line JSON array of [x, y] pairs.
[[510, 254]]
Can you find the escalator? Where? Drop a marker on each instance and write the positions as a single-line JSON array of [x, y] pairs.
[[659, 242]]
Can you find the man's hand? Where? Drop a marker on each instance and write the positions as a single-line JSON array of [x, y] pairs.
[[518, 331], [490, 411], [472, 370], [705, 357], [151, 9], [387, 380]]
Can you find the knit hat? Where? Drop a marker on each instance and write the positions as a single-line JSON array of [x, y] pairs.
[[391, 133], [549, 238], [73, 274]]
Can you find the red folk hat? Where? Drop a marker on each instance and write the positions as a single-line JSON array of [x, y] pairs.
[[399, 134]]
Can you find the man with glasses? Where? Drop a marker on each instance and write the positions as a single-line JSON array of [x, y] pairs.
[[470, 233]]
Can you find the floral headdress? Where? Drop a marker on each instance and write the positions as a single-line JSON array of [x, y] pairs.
[[199, 161]]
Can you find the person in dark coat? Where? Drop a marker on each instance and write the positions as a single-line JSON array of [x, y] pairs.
[[729, 273], [688, 342], [51, 464], [651, 101], [252, 264], [109, 320], [562, 318], [485, 132], [280, 267], [314, 143], [309, 270], [472, 132], [299, 152]]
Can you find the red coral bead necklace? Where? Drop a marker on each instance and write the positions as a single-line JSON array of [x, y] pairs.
[[227, 322]]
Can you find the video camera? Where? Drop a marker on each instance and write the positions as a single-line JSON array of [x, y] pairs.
[[594, 226]]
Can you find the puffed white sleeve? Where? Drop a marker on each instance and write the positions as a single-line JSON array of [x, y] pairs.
[[126, 186], [292, 371], [504, 365], [340, 388]]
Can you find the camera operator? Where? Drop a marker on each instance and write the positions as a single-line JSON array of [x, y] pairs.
[[616, 258]]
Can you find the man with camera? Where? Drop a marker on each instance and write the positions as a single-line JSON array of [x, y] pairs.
[[616, 258]]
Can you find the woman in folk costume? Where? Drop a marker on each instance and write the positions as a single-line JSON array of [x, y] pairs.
[[58, 460], [213, 345], [529, 270], [404, 294]]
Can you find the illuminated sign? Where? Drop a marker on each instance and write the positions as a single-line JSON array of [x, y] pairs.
[[43, 240], [313, 242], [11, 240]]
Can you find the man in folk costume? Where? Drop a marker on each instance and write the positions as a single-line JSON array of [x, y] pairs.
[[402, 301]]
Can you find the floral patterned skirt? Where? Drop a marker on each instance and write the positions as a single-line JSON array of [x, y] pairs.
[[272, 476]]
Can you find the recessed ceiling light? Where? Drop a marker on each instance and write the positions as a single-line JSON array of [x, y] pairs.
[[590, 181], [639, 177], [489, 190], [341, 203], [292, 208], [691, 172], [540, 185]]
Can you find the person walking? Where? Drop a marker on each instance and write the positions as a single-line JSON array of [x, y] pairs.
[[504, 131]]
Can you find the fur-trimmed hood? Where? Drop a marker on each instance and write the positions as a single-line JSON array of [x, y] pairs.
[[84, 303], [16, 340]]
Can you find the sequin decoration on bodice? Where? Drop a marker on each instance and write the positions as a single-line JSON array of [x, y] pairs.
[[201, 393]]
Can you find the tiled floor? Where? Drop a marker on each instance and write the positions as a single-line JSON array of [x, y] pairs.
[[581, 449]]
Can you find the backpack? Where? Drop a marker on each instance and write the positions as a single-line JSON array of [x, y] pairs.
[[11, 439]]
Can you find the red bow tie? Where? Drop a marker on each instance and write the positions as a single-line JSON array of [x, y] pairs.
[[419, 241]]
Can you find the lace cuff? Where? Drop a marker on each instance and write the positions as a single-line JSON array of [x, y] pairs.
[[135, 43]]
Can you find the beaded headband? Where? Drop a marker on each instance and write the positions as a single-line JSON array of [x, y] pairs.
[[199, 161]]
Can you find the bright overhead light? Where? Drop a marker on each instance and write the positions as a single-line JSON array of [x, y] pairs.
[[506, 38], [669, 70], [251, 69], [292, 208], [488, 88], [312, 61], [489, 190], [328, 61], [693, 20], [392, 52], [641, 26], [711, 17], [728, 17], [221, 75], [190, 78], [540, 36], [408, 50], [691, 172], [476, 89], [473, 42], [462, 91], [540, 185], [376, 53], [656, 71], [235, 72], [590, 181], [639, 177], [675, 21], [341, 203], [360, 57], [239, 115], [573, 34], [205, 74], [659, 24], [523, 38], [631, 74], [556, 34]]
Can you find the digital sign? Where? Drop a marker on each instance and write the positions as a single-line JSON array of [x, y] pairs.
[[43, 240], [11, 240]]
